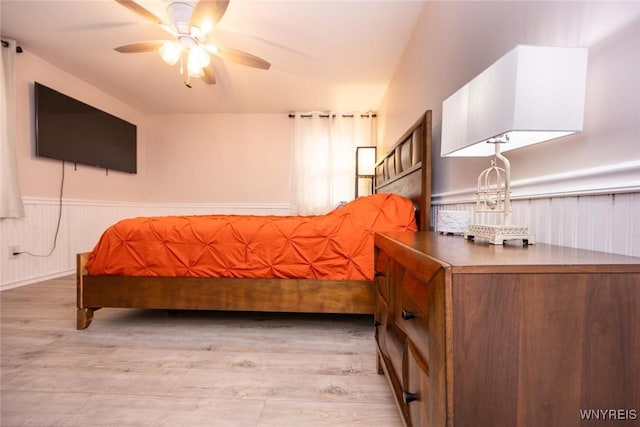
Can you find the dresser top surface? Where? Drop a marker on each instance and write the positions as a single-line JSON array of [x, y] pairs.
[[459, 252]]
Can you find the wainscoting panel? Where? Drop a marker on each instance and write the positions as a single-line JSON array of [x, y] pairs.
[[34, 234], [82, 223], [602, 222]]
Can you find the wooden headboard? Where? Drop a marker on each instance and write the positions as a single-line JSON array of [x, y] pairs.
[[406, 169]]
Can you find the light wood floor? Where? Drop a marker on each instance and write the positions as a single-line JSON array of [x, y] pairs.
[[153, 368]]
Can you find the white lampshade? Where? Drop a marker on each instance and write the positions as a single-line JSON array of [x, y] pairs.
[[365, 161], [533, 94]]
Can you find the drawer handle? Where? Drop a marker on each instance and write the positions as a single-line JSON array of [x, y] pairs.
[[408, 315], [377, 323], [377, 273], [409, 397]]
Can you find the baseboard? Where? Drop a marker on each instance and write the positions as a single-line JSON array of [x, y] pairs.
[[36, 279]]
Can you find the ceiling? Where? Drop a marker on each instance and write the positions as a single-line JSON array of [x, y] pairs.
[[324, 55]]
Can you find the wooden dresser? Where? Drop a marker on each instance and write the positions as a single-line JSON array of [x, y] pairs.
[[472, 334]]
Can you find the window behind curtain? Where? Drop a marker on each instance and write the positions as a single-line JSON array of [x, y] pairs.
[[323, 170]]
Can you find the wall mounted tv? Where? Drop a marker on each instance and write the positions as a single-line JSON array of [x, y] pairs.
[[70, 130]]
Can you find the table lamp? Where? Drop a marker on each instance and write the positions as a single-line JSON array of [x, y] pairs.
[[365, 166], [531, 95]]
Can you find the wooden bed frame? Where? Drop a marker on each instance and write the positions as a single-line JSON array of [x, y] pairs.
[[405, 170]]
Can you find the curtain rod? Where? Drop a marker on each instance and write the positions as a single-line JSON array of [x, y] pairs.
[[326, 116], [6, 44]]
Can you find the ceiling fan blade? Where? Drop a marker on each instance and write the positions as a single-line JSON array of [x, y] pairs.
[[169, 29], [243, 58], [135, 7], [140, 47], [207, 13], [209, 75]]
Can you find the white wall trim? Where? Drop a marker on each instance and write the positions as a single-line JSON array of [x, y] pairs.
[[609, 179], [77, 202], [36, 279], [213, 207]]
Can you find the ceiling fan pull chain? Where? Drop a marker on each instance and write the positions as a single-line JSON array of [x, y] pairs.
[[187, 82]]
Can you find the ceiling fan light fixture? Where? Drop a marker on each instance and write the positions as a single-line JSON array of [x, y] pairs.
[[180, 13], [205, 27], [170, 52], [196, 61], [195, 70], [197, 33], [200, 55], [211, 48]]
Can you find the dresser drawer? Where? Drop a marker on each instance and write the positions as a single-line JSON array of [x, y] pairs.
[[413, 312], [396, 342], [381, 321], [422, 267], [423, 391], [381, 274]]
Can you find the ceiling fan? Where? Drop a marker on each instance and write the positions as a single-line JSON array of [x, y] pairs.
[[191, 25]]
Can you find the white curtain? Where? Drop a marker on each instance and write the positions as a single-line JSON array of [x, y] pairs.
[[10, 198], [323, 172]]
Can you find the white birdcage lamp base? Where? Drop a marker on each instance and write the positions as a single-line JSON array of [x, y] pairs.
[[498, 234]]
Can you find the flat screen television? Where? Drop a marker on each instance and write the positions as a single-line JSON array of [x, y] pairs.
[[70, 130]]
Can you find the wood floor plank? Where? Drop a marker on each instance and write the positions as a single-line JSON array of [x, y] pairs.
[[122, 410], [150, 367], [338, 414], [33, 408]]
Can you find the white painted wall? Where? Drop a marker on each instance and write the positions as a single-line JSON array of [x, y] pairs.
[[577, 186], [187, 164], [196, 158], [219, 158], [455, 41], [40, 177]]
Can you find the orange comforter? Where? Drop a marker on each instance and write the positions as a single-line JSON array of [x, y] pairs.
[[335, 246]]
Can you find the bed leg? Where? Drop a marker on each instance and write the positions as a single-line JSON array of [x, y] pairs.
[[84, 315], [379, 362], [84, 318]]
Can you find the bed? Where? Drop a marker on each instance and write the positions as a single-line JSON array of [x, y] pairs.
[[122, 277]]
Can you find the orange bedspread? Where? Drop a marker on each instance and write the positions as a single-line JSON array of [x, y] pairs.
[[335, 246]]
